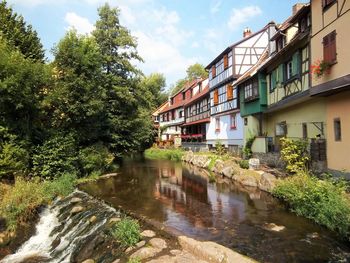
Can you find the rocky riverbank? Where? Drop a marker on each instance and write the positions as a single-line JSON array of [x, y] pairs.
[[231, 169]]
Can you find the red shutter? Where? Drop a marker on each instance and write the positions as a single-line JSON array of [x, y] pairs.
[[225, 61], [213, 71], [326, 56], [216, 97], [229, 92], [329, 48]]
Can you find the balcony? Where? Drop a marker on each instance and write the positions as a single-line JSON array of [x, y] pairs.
[[220, 77], [198, 117], [173, 122]]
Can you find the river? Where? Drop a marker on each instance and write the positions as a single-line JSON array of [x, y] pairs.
[[181, 198]]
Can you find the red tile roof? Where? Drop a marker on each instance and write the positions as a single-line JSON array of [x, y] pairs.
[[204, 92]]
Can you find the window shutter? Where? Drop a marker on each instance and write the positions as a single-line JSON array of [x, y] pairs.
[[216, 97], [225, 61], [326, 56], [332, 47], [280, 73], [296, 63], [229, 92], [213, 71], [273, 79]]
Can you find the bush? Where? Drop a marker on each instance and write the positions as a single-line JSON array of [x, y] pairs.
[[62, 186], [244, 164], [247, 150], [164, 154], [295, 154], [127, 232], [95, 159], [323, 201], [14, 158], [219, 148], [134, 260], [56, 157]]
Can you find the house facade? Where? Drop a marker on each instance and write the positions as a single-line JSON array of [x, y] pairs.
[[197, 115], [330, 44], [226, 124]]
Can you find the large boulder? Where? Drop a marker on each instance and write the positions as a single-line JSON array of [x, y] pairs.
[[158, 243], [200, 160], [76, 209], [267, 182], [187, 157], [248, 178], [218, 166], [254, 164], [145, 252]]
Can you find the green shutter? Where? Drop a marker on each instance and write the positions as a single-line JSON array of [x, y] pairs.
[[296, 63], [273, 79], [280, 78]]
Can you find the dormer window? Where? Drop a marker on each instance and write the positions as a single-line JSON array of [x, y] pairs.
[[183, 95], [171, 101], [280, 42]]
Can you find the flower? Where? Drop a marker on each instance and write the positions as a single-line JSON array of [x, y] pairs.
[[320, 67]]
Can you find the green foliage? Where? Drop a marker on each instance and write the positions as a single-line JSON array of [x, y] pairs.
[[323, 201], [134, 260], [95, 159], [154, 89], [212, 162], [14, 158], [56, 157], [164, 154], [247, 150], [219, 148], [127, 232], [244, 164], [19, 34], [295, 154], [21, 201]]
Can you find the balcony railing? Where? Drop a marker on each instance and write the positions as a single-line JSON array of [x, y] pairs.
[[172, 122], [220, 77], [198, 117]]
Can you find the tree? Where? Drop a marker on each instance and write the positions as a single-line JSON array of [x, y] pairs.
[[193, 72], [154, 89], [76, 102], [130, 128], [19, 34]]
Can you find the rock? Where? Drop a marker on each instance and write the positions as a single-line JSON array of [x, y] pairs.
[[200, 160], [92, 219], [212, 252], [254, 164], [114, 220], [227, 172], [248, 178], [108, 175], [148, 233], [75, 200], [219, 165], [313, 235], [175, 252], [88, 261], [273, 227], [145, 252], [76, 209], [129, 249], [158, 243], [116, 261], [141, 244], [188, 157], [267, 182]]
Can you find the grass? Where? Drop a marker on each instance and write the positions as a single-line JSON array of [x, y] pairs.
[[127, 232], [323, 201], [164, 154], [21, 200]]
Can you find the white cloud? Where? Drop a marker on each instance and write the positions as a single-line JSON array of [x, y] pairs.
[[81, 24], [240, 16], [127, 15], [215, 6], [195, 44]]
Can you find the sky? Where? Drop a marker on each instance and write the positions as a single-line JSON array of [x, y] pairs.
[[171, 34]]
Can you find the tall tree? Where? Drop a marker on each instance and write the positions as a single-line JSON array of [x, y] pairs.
[[19, 34], [130, 129], [154, 86]]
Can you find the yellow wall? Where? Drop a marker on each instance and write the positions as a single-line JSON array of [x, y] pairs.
[[324, 23], [310, 111], [252, 129], [338, 152]]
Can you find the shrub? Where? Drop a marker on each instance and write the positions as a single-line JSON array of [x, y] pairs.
[[219, 148], [62, 186], [127, 232], [56, 157], [134, 260], [164, 154], [14, 158], [295, 154], [95, 159], [247, 150], [244, 164], [323, 201]]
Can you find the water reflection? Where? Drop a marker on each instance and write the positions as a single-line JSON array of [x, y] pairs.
[[181, 197]]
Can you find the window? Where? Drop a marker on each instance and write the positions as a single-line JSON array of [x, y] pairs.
[[225, 61], [327, 3], [229, 92], [181, 113], [216, 97], [337, 130], [329, 48], [213, 71], [183, 95], [233, 121], [217, 124], [245, 121], [251, 89], [281, 129], [305, 130], [289, 69], [171, 101]]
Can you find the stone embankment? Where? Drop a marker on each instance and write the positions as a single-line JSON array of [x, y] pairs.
[[230, 168]]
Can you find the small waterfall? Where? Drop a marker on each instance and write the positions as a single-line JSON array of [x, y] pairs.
[[61, 234]]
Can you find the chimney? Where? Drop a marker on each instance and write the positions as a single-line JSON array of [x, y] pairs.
[[247, 32], [297, 7]]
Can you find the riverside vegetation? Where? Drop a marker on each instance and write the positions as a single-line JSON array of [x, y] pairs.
[[67, 120], [323, 199]]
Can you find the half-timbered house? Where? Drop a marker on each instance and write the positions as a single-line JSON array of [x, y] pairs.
[[226, 124], [197, 116], [330, 42]]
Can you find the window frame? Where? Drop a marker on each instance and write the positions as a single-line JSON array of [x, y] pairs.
[[233, 121], [217, 124], [329, 43], [337, 129], [326, 4], [251, 88]]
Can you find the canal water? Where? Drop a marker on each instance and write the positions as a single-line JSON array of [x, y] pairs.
[[181, 198]]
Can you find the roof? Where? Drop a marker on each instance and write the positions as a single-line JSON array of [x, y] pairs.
[[236, 44], [203, 93], [160, 108]]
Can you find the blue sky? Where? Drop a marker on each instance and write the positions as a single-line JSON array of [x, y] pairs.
[[171, 34]]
